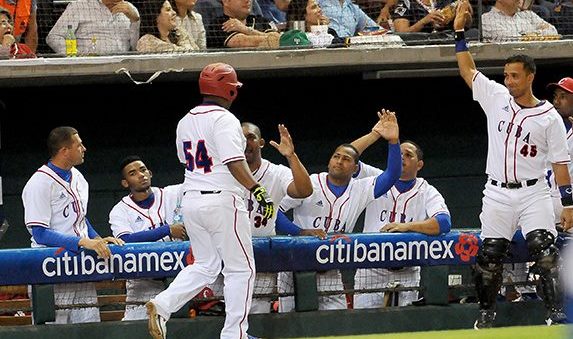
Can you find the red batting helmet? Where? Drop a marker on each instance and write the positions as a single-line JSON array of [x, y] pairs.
[[220, 80]]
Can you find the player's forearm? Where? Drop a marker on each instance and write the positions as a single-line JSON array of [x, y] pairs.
[[51, 238], [428, 226], [562, 177], [392, 173], [362, 143], [301, 187], [240, 171], [147, 235]]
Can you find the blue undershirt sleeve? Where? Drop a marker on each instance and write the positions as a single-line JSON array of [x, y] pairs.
[[392, 173], [49, 237], [445, 222], [92, 233], [147, 235], [284, 226]]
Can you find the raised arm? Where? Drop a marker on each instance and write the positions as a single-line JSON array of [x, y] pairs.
[[301, 187], [466, 63], [362, 143], [388, 129]]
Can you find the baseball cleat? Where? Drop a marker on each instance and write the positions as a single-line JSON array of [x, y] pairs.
[[485, 319], [157, 325], [556, 317]]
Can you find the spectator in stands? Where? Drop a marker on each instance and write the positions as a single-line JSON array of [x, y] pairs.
[[55, 207], [346, 18], [25, 24], [111, 25], [191, 21], [9, 48], [338, 200], [212, 9], [238, 29], [308, 11], [426, 15], [159, 30], [146, 214], [507, 22], [275, 11], [412, 205]]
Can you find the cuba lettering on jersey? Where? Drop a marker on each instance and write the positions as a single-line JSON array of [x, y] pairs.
[[127, 217], [526, 138], [64, 211], [323, 210], [275, 178], [209, 137], [421, 202]]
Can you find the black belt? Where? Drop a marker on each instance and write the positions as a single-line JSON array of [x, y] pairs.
[[210, 192], [514, 185]]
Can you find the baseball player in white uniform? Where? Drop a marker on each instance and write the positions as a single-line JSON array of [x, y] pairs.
[[411, 205], [55, 207], [563, 103], [524, 134], [280, 181], [211, 145], [145, 215], [338, 200]]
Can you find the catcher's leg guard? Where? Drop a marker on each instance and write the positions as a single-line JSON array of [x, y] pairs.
[[489, 267], [541, 246]]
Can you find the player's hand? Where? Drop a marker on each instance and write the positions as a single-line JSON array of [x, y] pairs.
[[320, 234], [462, 14], [262, 197], [113, 240], [387, 127], [394, 228], [567, 218], [178, 231], [286, 147], [99, 245]]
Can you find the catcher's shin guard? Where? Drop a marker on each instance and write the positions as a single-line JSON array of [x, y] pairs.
[[488, 271], [542, 249]]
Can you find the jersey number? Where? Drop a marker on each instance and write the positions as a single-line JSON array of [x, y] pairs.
[[260, 221], [528, 151], [201, 158]]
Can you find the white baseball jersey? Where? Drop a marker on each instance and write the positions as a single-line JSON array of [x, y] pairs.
[[209, 137], [51, 202], [555, 194], [275, 178], [215, 216], [421, 202], [127, 217], [323, 210], [521, 141]]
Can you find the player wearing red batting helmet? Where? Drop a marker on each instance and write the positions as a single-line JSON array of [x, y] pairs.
[[219, 79]]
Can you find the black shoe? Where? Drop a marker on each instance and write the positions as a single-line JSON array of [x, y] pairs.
[[485, 319], [555, 317]]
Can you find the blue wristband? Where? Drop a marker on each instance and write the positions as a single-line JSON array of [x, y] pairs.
[[461, 46], [566, 197]]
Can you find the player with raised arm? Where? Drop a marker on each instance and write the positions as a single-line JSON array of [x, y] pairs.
[[411, 205], [280, 181], [55, 208], [338, 200], [211, 145], [524, 135]]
